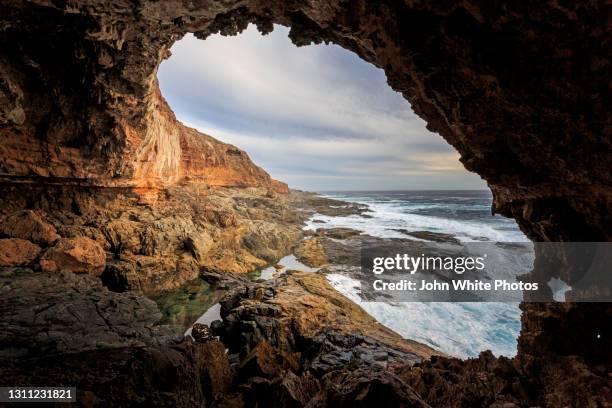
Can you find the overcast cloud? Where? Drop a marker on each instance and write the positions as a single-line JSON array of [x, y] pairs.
[[316, 117]]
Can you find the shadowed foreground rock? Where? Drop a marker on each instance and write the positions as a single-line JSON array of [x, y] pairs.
[[285, 352], [60, 312]]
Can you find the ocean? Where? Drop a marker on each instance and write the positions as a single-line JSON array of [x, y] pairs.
[[458, 329]]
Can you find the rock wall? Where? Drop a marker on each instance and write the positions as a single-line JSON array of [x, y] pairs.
[[80, 98]]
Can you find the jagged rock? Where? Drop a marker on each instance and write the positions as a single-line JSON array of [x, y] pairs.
[[367, 388], [63, 312], [30, 226], [216, 326], [334, 350], [78, 255], [163, 245], [300, 318], [520, 89], [17, 252], [501, 382], [262, 361]]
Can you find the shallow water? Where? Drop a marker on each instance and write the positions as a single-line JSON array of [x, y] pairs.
[[289, 262], [184, 306], [212, 314], [197, 302]]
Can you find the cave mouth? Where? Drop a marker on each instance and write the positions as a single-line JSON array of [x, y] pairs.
[[316, 118], [521, 90]]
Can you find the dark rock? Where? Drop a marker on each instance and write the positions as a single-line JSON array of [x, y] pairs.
[[520, 89], [62, 312], [366, 387], [260, 362], [202, 333], [185, 375], [216, 326], [338, 233], [430, 236]]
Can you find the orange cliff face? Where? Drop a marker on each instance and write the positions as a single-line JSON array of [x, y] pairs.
[[157, 152], [171, 153]]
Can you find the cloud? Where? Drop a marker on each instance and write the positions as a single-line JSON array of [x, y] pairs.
[[317, 117]]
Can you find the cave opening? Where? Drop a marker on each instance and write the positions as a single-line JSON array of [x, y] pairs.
[[92, 157], [321, 119]]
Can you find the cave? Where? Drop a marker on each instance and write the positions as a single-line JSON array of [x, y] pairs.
[[520, 90]]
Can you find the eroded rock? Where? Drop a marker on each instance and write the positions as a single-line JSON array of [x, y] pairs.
[[78, 255], [17, 252], [29, 225], [311, 253]]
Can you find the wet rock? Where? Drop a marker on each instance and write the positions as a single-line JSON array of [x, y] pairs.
[[29, 225], [338, 233], [430, 236], [17, 252], [315, 203], [78, 255]]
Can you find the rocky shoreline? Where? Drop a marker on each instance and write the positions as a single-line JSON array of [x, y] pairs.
[[95, 258], [291, 340]]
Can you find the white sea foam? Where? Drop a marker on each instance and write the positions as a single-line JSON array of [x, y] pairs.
[[459, 329], [386, 218]]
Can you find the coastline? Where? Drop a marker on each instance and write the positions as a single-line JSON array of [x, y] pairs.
[[332, 251]]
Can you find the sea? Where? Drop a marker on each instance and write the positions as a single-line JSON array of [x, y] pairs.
[[457, 329]]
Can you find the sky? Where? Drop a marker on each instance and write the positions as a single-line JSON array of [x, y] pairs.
[[317, 117]]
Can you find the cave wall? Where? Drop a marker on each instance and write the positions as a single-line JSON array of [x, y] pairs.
[[520, 89]]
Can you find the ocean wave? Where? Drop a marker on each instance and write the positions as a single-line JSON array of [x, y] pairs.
[[459, 329], [467, 222]]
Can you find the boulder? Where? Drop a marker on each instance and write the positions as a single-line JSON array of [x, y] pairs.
[[29, 225], [78, 255], [17, 252]]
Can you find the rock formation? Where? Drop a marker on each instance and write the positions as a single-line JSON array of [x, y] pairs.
[[521, 90]]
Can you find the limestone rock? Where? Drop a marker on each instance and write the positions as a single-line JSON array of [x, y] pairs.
[[311, 253], [78, 255], [17, 252], [29, 225]]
